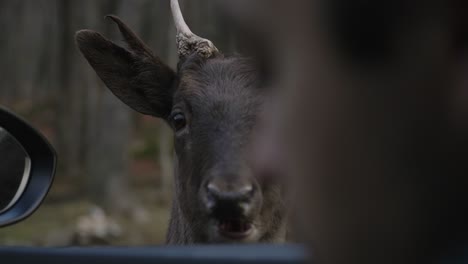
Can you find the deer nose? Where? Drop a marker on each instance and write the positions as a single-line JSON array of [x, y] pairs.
[[227, 200]]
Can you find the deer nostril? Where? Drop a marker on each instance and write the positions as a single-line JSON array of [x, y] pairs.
[[212, 189], [242, 193], [247, 191], [219, 199]]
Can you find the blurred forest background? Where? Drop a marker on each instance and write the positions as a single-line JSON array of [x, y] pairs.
[[114, 181]]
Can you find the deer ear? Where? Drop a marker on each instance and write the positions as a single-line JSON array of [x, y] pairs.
[[134, 75]]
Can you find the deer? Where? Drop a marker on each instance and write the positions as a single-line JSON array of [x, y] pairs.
[[212, 102]]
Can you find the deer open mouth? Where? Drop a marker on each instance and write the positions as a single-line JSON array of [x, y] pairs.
[[235, 228]]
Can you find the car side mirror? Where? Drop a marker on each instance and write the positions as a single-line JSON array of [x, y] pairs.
[[27, 168]]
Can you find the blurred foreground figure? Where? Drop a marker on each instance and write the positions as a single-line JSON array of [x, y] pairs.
[[372, 124]]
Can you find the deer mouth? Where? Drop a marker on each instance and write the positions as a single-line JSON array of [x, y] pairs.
[[235, 228]]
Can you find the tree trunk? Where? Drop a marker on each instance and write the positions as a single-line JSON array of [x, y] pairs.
[[108, 135]]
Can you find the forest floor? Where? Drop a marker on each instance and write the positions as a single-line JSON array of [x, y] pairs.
[[59, 220], [55, 224]]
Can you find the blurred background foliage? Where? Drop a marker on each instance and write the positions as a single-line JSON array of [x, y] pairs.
[[114, 181]]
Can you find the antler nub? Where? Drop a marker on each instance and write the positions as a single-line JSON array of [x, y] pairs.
[[187, 42]]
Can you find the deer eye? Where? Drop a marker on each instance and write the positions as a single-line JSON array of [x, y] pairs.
[[178, 121]]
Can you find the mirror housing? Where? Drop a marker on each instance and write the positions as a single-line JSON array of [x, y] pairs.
[[43, 161], [15, 168]]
